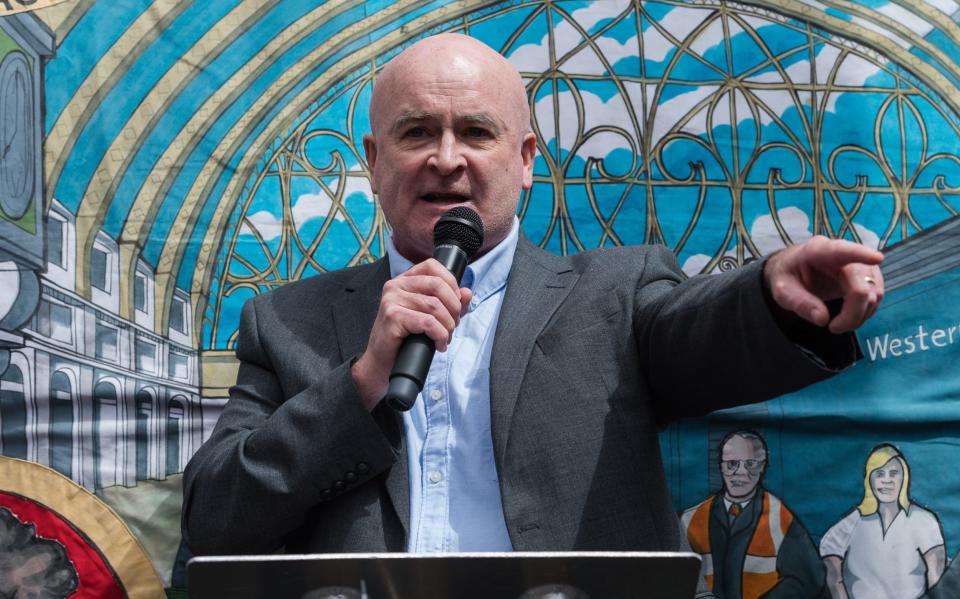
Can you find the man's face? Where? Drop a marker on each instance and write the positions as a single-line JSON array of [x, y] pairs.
[[887, 480], [448, 135], [742, 465]]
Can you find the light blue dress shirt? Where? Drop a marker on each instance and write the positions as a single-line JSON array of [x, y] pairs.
[[455, 500]]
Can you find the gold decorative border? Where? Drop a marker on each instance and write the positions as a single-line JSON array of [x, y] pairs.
[[105, 529], [12, 7]]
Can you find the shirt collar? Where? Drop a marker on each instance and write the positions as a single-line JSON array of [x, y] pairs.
[[743, 504], [484, 276]]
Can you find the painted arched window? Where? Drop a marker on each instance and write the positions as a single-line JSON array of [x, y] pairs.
[[61, 423], [722, 130], [144, 412], [13, 413], [175, 413], [105, 426]]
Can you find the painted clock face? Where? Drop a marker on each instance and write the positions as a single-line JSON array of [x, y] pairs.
[[17, 143]]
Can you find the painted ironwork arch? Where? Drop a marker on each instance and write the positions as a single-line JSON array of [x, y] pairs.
[[178, 214], [697, 131]]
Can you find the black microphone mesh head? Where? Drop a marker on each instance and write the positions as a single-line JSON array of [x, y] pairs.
[[460, 226]]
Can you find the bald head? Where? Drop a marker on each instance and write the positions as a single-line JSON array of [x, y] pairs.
[[450, 56], [450, 127]]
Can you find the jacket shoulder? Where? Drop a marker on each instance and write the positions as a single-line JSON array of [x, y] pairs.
[[318, 288], [609, 258]]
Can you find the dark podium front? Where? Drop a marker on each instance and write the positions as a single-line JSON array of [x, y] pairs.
[[600, 575]]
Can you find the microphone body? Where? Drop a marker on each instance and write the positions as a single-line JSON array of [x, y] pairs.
[[416, 353]]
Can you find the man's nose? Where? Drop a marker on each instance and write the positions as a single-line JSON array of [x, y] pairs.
[[448, 155]]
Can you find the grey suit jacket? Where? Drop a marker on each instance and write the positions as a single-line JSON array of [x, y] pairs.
[[592, 354]]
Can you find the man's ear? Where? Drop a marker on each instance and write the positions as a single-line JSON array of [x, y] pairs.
[[370, 150], [528, 152]]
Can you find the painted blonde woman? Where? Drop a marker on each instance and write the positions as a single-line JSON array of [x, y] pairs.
[[888, 546]]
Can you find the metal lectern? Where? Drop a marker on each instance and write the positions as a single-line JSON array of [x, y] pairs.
[[580, 575]]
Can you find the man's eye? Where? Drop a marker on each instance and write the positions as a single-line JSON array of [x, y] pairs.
[[477, 132], [415, 132]]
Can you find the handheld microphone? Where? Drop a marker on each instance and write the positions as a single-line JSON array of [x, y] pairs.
[[457, 236]]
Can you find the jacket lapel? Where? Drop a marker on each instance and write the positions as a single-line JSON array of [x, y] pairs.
[[538, 283], [354, 313], [353, 317]]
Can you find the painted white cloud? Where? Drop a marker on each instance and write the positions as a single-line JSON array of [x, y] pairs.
[[309, 206], [678, 23], [306, 207], [854, 71], [536, 57], [670, 112], [596, 112], [681, 21], [794, 221], [867, 237], [267, 225], [764, 233], [587, 62], [709, 38]]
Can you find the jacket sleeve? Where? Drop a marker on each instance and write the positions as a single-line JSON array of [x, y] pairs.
[[272, 458], [713, 341]]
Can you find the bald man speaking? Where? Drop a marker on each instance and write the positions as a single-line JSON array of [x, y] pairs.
[[536, 428]]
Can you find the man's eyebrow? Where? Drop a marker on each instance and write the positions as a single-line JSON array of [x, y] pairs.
[[408, 118], [412, 117], [483, 119]]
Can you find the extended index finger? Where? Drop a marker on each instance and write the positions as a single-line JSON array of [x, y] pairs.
[[834, 254]]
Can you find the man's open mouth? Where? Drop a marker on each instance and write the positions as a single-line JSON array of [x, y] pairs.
[[445, 197]]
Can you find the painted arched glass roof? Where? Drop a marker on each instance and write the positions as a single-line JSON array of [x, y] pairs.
[[208, 147]]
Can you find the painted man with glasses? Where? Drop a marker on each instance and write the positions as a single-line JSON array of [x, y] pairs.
[[751, 544]]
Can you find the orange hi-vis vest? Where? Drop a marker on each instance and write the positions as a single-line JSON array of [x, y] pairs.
[[760, 564]]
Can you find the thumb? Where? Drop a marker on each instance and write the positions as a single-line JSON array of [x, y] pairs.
[[465, 296]]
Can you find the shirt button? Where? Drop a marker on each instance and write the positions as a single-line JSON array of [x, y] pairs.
[[474, 303], [436, 395], [435, 476], [349, 477], [362, 467]]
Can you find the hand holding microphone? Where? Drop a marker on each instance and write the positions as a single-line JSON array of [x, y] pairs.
[[418, 313]]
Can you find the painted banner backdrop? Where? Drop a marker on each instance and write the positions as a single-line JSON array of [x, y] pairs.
[[165, 160]]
